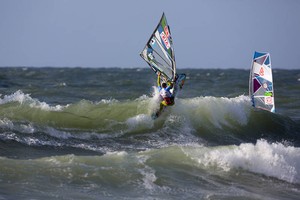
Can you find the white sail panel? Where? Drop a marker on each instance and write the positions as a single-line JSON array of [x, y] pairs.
[[263, 70]]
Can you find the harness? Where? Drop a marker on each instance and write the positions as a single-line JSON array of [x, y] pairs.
[[169, 100]]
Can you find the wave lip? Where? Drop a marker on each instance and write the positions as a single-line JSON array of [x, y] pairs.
[[270, 159], [22, 98], [217, 111]]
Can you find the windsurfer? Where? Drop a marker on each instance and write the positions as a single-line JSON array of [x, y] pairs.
[[165, 93]]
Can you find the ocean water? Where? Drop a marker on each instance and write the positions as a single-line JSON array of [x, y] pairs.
[[83, 133]]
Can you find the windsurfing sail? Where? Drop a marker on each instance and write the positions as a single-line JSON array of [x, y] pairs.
[[261, 82], [159, 51]]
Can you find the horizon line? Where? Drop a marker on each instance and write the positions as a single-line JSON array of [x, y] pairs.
[[143, 67]]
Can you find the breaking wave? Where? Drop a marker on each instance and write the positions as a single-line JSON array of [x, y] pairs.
[[215, 120]]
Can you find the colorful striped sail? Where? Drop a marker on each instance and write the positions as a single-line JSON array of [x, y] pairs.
[[159, 51], [261, 82]]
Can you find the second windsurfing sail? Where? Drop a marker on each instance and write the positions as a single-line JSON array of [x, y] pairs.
[[159, 51], [261, 82]]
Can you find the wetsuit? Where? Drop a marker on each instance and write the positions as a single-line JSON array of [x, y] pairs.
[[168, 98]]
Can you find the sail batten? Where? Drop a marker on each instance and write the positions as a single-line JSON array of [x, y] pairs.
[[159, 51], [261, 89]]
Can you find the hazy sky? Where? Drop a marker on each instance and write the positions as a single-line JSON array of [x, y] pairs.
[[111, 33]]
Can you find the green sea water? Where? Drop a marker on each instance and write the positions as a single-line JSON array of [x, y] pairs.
[[85, 133]]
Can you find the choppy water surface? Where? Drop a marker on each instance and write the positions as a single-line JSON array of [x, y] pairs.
[[78, 133]]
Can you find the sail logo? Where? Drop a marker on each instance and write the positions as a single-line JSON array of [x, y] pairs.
[[269, 100], [165, 39], [167, 31], [261, 72]]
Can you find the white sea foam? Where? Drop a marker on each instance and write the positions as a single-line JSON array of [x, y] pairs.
[[58, 134], [45, 106], [140, 121], [147, 172], [142, 98], [24, 128], [107, 101], [270, 159], [18, 96], [22, 98], [27, 128], [6, 123], [116, 153], [154, 101]]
